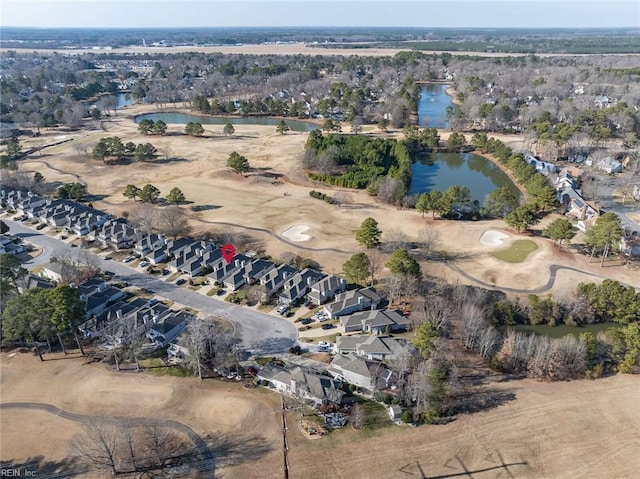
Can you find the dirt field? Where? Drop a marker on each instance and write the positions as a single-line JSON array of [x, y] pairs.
[[570, 430], [578, 429], [210, 408], [275, 196]]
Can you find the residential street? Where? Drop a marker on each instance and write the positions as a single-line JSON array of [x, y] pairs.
[[261, 333]]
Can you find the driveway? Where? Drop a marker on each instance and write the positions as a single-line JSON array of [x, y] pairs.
[[261, 333]]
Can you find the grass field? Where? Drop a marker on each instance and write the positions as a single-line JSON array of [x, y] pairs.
[[562, 329], [517, 252]]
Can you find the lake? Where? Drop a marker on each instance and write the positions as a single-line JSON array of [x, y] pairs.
[[124, 99], [432, 106], [439, 171], [184, 118]]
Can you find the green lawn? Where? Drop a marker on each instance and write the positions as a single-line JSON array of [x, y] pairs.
[[562, 329], [517, 252], [156, 367]]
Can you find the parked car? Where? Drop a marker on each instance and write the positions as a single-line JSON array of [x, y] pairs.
[[322, 316], [220, 292], [282, 309], [181, 281], [165, 272], [253, 371], [105, 257], [307, 321], [144, 263], [128, 259], [323, 344], [327, 326], [109, 274]]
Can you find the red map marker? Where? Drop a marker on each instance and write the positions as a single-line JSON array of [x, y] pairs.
[[228, 252]]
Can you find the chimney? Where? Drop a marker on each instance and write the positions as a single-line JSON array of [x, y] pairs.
[[119, 314], [583, 212], [309, 281]]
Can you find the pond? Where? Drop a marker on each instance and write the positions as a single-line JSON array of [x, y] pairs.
[[184, 118], [439, 171], [432, 106], [124, 99]]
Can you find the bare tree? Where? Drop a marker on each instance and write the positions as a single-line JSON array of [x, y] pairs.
[[393, 240], [357, 416], [97, 446], [429, 238], [172, 221], [144, 217], [342, 198]]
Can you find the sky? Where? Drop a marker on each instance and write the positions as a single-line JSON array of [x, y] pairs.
[[363, 13]]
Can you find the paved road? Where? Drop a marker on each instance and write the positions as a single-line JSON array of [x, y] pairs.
[[207, 464], [261, 333]]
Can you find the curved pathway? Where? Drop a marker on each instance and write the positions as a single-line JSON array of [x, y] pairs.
[[553, 269], [58, 170], [207, 465], [276, 236]]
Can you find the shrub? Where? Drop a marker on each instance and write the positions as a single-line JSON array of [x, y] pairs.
[[264, 382], [407, 417], [41, 226], [321, 196]]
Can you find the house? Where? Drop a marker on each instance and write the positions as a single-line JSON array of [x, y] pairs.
[[543, 167], [9, 245], [233, 272], [166, 329], [137, 311], [353, 301], [116, 234], [364, 374], [53, 271], [85, 222], [374, 322], [273, 280], [149, 243], [33, 281], [302, 383], [298, 285], [325, 289], [578, 208], [177, 351], [630, 244], [371, 347], [190, 258], [100, 298], [608, 164]]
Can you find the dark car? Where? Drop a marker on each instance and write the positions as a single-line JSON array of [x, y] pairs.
[[181, 281], [220, 292], [165, 272], [327, 326], [307, 321]]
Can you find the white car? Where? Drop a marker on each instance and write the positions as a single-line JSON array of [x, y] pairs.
[[144, 263], [282, 309], [323, 344], [128, 259]]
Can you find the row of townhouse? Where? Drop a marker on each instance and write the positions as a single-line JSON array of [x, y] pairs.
[[68, 214], [118, 320], [182, 255]]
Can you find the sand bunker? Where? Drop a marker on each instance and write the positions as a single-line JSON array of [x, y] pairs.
[[295, 233], [493, 238]]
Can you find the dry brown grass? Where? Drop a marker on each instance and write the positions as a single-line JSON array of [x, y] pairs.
[[255, 201]]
